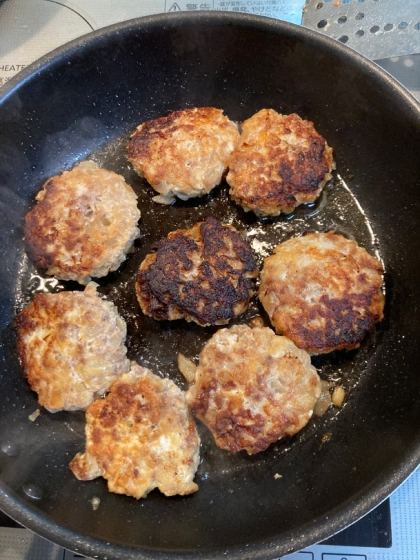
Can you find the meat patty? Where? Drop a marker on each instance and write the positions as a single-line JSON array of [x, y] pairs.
[[72, 347], [184, 154], [140, 437], [84, 224], [203, 274], [253, 388], [322, 291], [281, 162]]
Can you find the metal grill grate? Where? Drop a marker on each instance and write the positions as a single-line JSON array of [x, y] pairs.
[[375, 28]]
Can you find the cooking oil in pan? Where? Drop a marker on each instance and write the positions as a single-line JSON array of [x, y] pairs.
[[156, 344]]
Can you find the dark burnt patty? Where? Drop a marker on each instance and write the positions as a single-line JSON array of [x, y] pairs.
[[203, 274]]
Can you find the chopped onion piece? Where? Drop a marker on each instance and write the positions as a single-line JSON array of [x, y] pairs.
[[32, 417], [162, 199], [95, 503], [88, 164], [256, 322], [324, 401], [338, 395], [187, 368]]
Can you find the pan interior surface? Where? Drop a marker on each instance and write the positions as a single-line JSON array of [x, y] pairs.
[[84, 102]]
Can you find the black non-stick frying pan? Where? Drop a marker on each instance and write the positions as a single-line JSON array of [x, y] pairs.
[[83, 101]]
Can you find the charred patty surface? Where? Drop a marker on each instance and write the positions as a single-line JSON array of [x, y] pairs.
[[203, 274], [72, 347], [281, 162], [84, 224], [183, 154], [322, 291], [253, 388], [140, 437]]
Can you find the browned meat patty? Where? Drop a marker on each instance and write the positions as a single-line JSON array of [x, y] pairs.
[[84, 224], [281, 162], [140, 437], [322, 291], [203, 274], [184, 154], [72, 347], [253, 388]]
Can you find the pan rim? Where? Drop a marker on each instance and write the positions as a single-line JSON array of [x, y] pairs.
[[84, 41], [320, 528]]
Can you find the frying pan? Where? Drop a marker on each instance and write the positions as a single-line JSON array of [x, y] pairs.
[[83, 101]]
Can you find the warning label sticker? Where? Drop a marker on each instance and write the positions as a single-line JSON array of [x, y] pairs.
[[290, 10]]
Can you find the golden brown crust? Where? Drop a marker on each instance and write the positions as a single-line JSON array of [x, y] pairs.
[[203, 274], [72, 347], [322, 291], [140, 437], [280, 163], [83, 225], [253, 388], [185, 153]]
